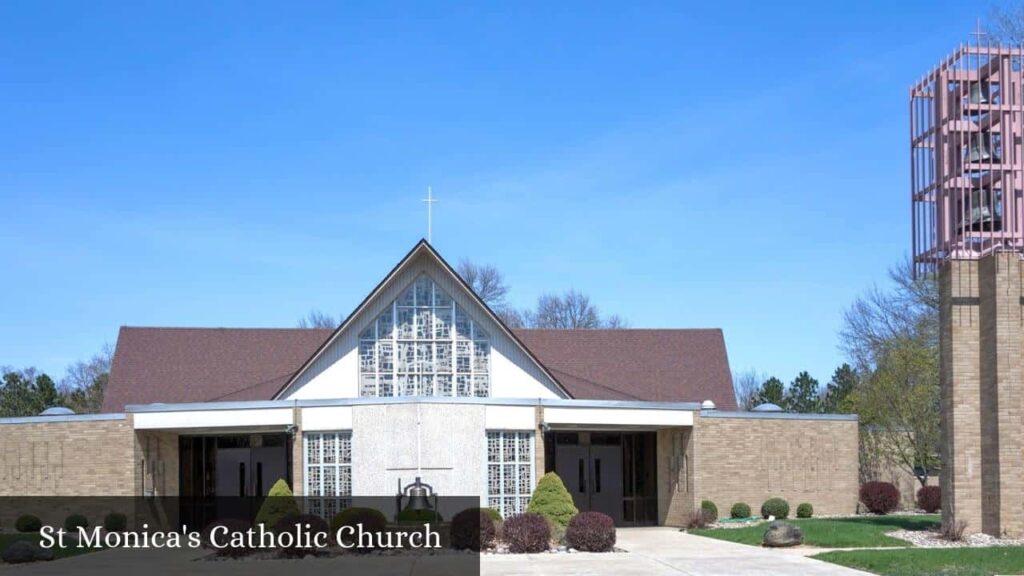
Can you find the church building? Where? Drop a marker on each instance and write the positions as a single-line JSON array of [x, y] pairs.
[[423, 380]]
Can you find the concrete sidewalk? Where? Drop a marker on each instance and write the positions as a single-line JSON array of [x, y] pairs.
[[665, 551]]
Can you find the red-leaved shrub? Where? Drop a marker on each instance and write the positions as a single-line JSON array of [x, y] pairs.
[[472, 529], [591, 532], [929, 498], [527, 533], [879, 497]]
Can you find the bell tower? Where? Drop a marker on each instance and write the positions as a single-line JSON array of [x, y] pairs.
[[967, 190]]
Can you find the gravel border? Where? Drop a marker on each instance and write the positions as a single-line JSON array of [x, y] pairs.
[[933, 539]]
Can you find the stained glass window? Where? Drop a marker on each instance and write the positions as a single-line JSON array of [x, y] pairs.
[[509, 471], [424, 344], [328, 472]]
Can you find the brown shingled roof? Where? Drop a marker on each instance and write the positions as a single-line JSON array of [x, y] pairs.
[[661, 365], [173, 365]]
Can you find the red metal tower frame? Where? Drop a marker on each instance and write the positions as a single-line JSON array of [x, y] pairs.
[[966, 156]]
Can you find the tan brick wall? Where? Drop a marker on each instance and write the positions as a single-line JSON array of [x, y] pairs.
[[156, 463], [675, 475], [1002, 402], [753, 459], [538, 445], [298, 472], [960, 381], [78, 458]]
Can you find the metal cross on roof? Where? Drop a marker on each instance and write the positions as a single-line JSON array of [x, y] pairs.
[[430, 200]]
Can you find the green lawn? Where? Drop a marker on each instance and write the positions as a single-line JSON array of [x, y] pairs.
[[931, 562], [58, 553], [854, 532]]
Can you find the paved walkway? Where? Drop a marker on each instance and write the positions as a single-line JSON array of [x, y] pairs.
[[664, 552], [652, 552]]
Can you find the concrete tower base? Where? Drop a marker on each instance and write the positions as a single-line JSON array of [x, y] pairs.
[[982, 378]]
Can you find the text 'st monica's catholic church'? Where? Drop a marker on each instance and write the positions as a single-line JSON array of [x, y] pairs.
[[424, 380]]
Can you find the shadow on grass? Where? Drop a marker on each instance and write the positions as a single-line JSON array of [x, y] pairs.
[[922, 522]]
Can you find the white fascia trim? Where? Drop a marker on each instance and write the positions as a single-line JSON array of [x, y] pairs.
[[617, 417], [213, 419], [510, 418]]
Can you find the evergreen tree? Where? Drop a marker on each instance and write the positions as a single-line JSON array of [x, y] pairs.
[[772, 391], [803, 395], [844, 379]]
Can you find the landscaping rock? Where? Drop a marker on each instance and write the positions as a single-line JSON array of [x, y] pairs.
[[782, 535], [24, 551]]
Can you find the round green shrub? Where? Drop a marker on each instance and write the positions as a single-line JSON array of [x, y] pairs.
[[551, 500], [293, 522], [411, 516], [740, 510], [74, 521], [494, 514], [28, 523], [710, 510], [115, 522], [775, 507], [372, 521], [804, 510]]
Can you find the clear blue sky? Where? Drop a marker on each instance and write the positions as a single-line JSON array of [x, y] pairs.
[[733, 165]]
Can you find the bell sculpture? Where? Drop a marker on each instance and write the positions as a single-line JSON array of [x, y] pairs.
[[417, 495]]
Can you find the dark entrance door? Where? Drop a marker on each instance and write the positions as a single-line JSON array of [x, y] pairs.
[[609, 472], [228, 476]]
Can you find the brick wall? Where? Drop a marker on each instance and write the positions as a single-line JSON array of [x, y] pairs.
[[960, 382], [675, 476], [752, 459], [77, 458], [156, 463]]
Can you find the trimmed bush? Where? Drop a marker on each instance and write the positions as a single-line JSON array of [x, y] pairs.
[[74, 521], [473, 529], [232, 525], [775, 507], [494, 514], [280, 502], [527, 533], [410, 516], [804, 510], [551, 500], [709, 507], [591, 532], [372, 521], [879, 497], [115, 522], [316, 524], [28, 523], [929, 499], [740, 510]]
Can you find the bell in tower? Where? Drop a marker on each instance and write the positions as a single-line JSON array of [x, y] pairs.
[[979, 93], [980, 148]]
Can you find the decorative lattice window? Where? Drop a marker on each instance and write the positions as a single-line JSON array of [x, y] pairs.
[[509, 471], [327, 461], [424, 344]]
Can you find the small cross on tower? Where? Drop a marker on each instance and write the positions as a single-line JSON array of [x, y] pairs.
[[978, 33], [430, 200]]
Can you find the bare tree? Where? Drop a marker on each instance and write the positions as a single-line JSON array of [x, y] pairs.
[[85, 382], [319, 319], [1007, 24], [746, 385], [571, 311], [486, 281], [892, 337]]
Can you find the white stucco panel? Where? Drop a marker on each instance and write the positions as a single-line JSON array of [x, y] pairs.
[[510, 418], [327, 418]]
